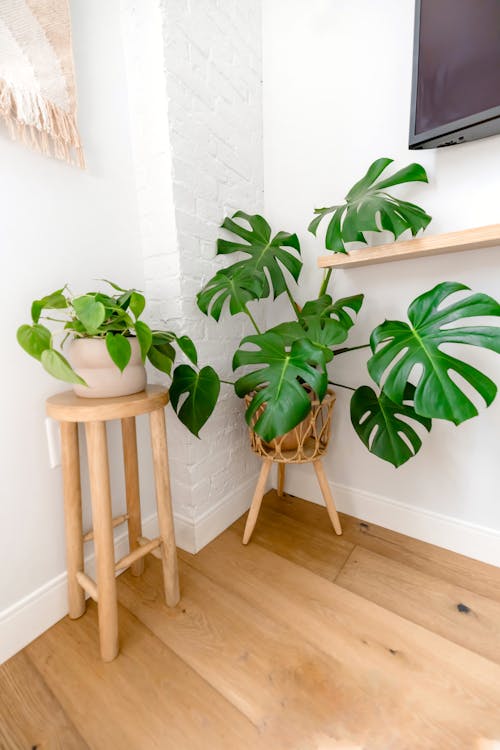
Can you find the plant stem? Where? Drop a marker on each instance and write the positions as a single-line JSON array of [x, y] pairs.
[[252, 319], [294, 305], [350, 349], [227, 382], [325, 282], [340, 385]]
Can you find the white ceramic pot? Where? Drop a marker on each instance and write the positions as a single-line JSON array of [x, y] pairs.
[[91, 361]]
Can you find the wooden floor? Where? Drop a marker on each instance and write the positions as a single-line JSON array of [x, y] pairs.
[[300, 641]]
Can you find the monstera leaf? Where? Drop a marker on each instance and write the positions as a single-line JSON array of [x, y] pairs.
[[398, 348], [369, 208], [201, 390], [322, 321], [385, 427], [279, 383], [266, 253], [239, 286]]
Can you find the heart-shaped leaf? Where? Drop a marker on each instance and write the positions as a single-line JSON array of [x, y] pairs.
[[59, 367], [385, 427], [144, 336], [398, 348], [369, 208], [137, 304], [279, 384], [188, 347], [202, 389], [34, 339], [90, 312], [54, 301], [119, 349], [162, 356]]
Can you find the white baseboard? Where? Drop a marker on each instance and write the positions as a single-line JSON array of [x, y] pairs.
[[471, 540], [31, 616]]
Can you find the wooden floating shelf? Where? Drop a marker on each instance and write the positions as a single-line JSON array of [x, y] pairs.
[[437, 244]]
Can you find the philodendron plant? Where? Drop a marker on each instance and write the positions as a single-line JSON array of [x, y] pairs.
[[414, 379], [115, 318]]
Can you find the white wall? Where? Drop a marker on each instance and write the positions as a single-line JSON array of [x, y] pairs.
[[337, 79], [194, 72], [58, 225]]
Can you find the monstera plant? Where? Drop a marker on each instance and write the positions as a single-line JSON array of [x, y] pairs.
[[413, 377]]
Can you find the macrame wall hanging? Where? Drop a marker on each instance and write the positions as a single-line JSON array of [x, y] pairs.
[[37, 83]]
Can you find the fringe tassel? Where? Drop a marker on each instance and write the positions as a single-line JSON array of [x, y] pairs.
[[40, 124]]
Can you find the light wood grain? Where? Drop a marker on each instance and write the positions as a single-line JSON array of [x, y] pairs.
[[100, 492], [428, 692], [148, 699], [30, 715], [327, 496], [131, 466], [66, 407], [138, 554], [321, 552], [426, 246], [87, 584], [164, 506], [117, 521], [70, 461], [449, 566], [460, 615]]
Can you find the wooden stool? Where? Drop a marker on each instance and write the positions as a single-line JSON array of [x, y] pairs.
[[306, 443], [69, 410]]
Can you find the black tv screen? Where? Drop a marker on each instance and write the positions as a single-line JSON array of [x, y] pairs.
[[456, 72]]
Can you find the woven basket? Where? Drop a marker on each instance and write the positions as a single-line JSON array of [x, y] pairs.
[[306, 442]]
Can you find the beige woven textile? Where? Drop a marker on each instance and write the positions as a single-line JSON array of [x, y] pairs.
[[37, 83]]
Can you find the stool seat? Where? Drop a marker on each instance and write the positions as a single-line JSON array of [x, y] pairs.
[[69, 410], [68, 407]]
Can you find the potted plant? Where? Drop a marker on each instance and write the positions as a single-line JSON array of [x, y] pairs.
[[107, 342], [291, 363]]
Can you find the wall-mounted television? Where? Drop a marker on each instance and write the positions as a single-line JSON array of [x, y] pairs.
[[456, 72]]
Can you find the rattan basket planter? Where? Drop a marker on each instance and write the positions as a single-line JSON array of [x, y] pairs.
[[306, 443]]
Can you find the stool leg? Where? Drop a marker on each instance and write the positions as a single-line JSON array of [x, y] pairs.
[[281, 479], [327, 496], [97, 450], [131, 464], [257, 500], [70, 459], [164, 505]]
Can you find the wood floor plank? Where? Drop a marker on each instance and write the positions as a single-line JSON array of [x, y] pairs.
[[30, 715], [426, 692], [292, 691], [461, 616], [146, 699], [463, 571], [322, 552]]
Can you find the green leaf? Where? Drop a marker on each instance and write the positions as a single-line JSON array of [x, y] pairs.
[[266, 253], [34, 339], [239, 286], [54, 301], [162, 356], [398, 348], [385, 426], [368, 208], [119, 349], [137, 304], [202, 389], [115, 286], [144, 337], [189, 349], [279, 384], [89, 312], [59, 367]]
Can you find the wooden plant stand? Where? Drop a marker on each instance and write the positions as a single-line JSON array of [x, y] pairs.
[[306, 443], [70, 410]]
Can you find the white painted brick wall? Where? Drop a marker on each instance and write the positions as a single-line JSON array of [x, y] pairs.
[[195, 74]]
